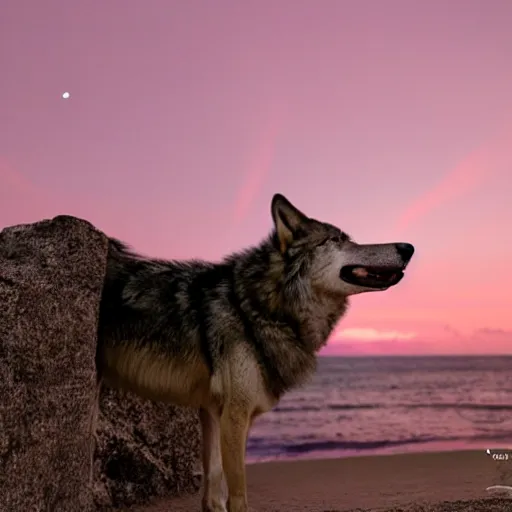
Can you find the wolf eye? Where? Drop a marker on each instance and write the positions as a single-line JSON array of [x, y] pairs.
[[338, 239], [331, 239]]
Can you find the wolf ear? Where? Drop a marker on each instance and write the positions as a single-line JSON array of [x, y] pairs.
[[287, 220]]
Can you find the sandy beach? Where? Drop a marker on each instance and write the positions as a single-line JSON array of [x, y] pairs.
[[447, 482]]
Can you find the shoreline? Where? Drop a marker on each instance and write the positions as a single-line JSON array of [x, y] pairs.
[[413, 448], [371, 483]]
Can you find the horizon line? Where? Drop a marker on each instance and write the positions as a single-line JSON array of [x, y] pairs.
[[412, 355]]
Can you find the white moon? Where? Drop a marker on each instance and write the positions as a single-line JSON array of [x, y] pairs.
[[65, 95]]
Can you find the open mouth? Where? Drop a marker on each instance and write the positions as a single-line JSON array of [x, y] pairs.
[[377, 278]]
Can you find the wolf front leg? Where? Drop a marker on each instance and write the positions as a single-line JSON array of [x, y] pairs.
[[213, 499], [234, 427]]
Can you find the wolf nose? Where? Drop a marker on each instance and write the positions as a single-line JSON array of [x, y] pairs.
[[405, 250]]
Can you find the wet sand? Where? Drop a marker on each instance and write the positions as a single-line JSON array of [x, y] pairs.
[[441, 482]]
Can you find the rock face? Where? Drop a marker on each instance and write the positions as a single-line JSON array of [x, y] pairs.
[[51, 276], [144, 450]]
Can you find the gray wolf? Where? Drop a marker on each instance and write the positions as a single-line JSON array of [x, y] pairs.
[[231, 338]]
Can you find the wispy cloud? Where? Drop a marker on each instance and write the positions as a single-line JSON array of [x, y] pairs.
[[259, 167], [16, 190], [15, 180], [465, 177], [486, 331], [371, 334], [22, 200], [446, 340]]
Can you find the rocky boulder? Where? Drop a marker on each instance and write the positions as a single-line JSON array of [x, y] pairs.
[[144, 450], [51, 277]]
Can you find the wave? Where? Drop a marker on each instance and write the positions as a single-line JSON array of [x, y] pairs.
[[315, 446], [349, 407], [266, 446], [263, 446], [300, 408], [355, 406], [330, 407], [462, 405]]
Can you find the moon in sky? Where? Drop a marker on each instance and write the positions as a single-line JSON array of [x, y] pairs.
[[65, 95]]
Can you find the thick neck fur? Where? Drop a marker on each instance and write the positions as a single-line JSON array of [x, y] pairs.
[[291, 319], [286, 320]]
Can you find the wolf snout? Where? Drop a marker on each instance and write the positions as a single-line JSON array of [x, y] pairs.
[[405, 251]]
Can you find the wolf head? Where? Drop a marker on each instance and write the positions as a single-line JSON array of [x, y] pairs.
[[334, 263]]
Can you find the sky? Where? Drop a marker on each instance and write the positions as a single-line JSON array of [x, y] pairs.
[[391, 119]]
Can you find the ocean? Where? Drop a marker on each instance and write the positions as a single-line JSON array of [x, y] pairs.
[[373, 405]]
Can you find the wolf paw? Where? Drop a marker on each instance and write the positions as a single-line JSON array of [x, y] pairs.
[[238, 504], [214, 506]]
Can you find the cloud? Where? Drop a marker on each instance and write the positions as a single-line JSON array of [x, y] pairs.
[[465, 177], [488, 331], [15, 180], [259, 167], [489, 340], [443, 340], [451, 331], [20, 199], [370, 334]]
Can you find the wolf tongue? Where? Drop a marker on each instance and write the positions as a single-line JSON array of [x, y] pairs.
[[360, 272]]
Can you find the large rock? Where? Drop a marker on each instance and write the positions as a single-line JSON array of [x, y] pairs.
[[51, 276], [144, 450]]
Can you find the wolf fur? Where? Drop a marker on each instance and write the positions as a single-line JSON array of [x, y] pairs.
[[230, 338]]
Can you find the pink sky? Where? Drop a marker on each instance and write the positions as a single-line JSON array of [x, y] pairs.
[[390, 119]]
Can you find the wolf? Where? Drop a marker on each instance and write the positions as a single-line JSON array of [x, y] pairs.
[[231, 338]]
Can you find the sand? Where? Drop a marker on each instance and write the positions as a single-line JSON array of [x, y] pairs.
[[447, 482]]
